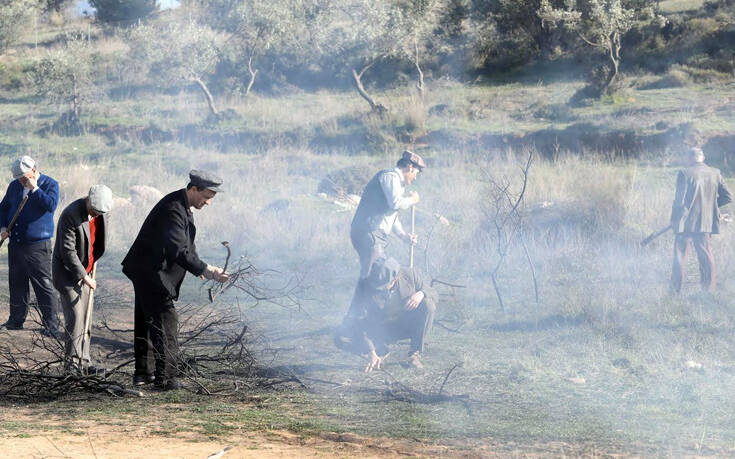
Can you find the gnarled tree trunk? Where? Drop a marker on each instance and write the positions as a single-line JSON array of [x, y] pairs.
[[374, 105], [207, 95], [252, 75]]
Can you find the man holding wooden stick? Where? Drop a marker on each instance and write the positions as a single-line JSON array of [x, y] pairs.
[[377, 214], [29, 203], [80, 242], [695, 216]]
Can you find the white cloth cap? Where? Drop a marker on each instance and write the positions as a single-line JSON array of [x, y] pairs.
[[22, 166], [100, 198]]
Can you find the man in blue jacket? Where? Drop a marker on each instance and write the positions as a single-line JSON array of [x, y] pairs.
[[29, 248]]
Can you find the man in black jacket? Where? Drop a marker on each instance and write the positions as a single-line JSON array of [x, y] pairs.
[[156, 263], [80, 241]]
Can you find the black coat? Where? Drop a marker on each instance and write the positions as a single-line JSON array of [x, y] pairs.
[[71, 249], [164, 250]]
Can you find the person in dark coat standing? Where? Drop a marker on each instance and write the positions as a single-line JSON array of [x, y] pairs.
[[376, 216], [156, 264], [29, 248], [81, 237], [695, 216], [391, 304]]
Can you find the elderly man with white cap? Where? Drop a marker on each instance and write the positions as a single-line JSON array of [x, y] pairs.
[[30, 202], [80, 242]]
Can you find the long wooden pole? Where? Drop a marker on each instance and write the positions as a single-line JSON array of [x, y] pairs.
[[87, 340], [413, 230], [15, 217]]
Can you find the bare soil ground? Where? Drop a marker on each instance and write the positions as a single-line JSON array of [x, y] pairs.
[[94, 440], [57, 437]]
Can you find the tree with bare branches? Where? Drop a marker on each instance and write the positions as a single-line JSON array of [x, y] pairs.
[[504, 223]]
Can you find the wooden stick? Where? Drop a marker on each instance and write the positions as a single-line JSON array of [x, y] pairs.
[[413, 229], [654, 235], [88, 314], [15, 217]]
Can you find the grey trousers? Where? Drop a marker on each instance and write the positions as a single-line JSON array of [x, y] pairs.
[[74, 302], [370, 245]]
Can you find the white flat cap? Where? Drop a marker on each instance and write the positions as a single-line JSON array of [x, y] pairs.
[[100, 198], [22, 166]]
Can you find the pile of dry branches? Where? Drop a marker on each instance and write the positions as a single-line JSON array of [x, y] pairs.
[[215, 348]]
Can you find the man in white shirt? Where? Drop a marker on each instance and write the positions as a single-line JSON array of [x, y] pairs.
[[377, 215]]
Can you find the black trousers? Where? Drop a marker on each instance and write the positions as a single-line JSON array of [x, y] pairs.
[[155, 344], [30, 264]]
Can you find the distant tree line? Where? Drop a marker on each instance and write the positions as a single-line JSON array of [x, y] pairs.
[[237, 46]]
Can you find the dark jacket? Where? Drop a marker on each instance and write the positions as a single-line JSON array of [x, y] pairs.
[[164, 250], [374, 313], [373, 205], [36, 221], [700, 192], [71, 250]]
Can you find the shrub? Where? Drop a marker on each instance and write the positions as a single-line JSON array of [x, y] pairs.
[[14, 16], [123, 10]]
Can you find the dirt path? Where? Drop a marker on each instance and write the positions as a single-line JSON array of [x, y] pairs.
[[98, 443], [101, 442], [54, 438]]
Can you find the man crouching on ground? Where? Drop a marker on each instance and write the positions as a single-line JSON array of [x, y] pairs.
[[80, 241], [395, 303], [156, 263]]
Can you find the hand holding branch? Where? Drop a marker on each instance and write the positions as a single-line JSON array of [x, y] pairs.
[[375, 361], [215, 273]]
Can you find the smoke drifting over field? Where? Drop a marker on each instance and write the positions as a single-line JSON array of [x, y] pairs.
[[587, 350]]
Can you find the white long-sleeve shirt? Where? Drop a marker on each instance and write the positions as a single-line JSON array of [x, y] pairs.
[[394, 188]]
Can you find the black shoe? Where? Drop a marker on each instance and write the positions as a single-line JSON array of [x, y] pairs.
[[168, 384], [11, 326], [142, 380]]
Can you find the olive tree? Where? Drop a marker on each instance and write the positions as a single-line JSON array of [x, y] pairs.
[[64, 75], [601, 24], [256, 28], [369, 31], [14, 17], [177, 53]]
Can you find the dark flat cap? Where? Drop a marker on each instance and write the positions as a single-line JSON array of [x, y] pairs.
[[417, 160], [382, 273], [204, 179]]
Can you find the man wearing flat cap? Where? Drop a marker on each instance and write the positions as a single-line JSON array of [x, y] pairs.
[[156, 264], [30, 201], [391, 304], [695, 216], [80, 242], [377, 214]]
